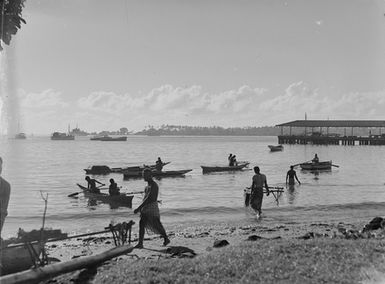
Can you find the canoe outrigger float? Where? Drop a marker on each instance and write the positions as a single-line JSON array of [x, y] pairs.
[[117, 200], [212, 169]]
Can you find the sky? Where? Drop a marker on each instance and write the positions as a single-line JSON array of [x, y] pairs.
[[103, 65]]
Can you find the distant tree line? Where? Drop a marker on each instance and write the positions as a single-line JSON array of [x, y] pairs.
[[184, 130]]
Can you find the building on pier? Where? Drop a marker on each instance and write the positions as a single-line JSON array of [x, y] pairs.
[[332, 132]]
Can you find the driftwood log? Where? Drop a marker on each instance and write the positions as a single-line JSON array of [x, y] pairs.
[[43, 273]]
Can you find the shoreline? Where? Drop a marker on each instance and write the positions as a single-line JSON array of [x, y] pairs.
[[275, 228]]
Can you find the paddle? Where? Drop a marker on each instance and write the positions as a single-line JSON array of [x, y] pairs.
[[335, 166], [76, 193]]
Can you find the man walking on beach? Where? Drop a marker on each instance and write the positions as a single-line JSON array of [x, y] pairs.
[[259, 180], [5, 192], [149, 211]]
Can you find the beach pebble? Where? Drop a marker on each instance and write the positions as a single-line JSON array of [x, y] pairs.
[[220, 243]]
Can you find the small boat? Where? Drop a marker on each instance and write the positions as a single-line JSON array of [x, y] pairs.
[[211, 169], [105, 170], [310, 166], [108, 138], [115, 200], [18, 257], [20, 135], [275, 148], [155, 173], [62, 136], [98, 170]]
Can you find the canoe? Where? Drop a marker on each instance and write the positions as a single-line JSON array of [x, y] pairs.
[[98, 170], [116, 200], [105, 170], [209, 169], [310, 166], [138, 174], [16, 258], [274, 148]]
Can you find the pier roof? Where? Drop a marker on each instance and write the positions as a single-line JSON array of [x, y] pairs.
[[334, 123]]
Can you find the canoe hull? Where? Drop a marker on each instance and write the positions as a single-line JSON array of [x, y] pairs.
[[117, 200], [18, 258], [316, 166], [138, 174], [208, 169]]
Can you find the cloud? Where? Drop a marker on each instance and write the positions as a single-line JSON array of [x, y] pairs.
[[46, 99], [245, 106]]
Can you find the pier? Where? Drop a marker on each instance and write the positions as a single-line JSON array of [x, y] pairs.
[[332, 132]]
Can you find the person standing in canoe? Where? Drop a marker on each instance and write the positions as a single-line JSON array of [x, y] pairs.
[[315, 159], [91, 184], [113, 189], [5, 193], [229, 158], [291, 175], [149, 211], [259, 180], [234, 161]]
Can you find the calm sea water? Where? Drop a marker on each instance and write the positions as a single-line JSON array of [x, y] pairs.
[[38, 165]]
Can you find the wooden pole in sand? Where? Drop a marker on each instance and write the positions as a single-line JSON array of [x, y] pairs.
[[43, 273]]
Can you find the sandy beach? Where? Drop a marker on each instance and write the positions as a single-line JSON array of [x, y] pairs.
[[276, 229]]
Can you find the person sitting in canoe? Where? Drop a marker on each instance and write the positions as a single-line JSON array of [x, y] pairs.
[[315, 159], [291, 175], [113, 189], [91, 184], [159, 164]]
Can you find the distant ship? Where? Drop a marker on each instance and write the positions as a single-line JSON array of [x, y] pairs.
[[62, 136], [78, 132], [20, 135]]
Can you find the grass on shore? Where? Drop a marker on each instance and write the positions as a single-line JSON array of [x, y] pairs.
[[265, 261]]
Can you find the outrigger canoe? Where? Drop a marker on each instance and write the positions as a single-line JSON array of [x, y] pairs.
[[155, 173], [18, 257], [118, 200], [310, 166], [105, 170], [274, 148], [209, 169]]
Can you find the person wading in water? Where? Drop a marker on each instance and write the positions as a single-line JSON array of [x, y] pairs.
[[5, 192], [259, 180], [291, 175], [149, 211]]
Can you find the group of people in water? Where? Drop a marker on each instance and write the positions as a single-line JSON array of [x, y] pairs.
[[148, 209]]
